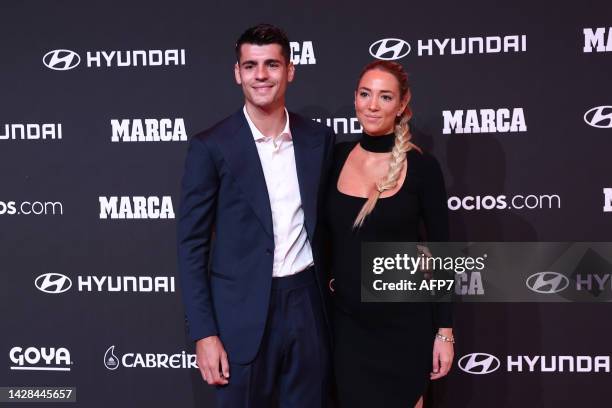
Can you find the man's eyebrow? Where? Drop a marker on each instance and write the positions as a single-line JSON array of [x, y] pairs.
[[268, 61]]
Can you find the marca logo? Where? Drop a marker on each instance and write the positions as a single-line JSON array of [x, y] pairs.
[[547, 282], [342, 125], [389, 49], [469, 283], [595, 39], [302, 53], [53, 283], [32, 131], [599, 117], [479, 363], [484, 121], [607, 199], [148, 360], [61, 60], [137, 207], [148, 130], [57, 283], [40, 359]]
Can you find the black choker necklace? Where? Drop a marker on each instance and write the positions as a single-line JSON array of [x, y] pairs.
[[377, 144]]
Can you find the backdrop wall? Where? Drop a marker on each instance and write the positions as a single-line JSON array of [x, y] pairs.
[[99, 101]]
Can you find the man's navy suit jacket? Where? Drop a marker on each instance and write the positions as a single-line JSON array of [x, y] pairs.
[[226, 290]]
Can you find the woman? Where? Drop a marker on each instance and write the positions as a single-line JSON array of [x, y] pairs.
[[381, 189]]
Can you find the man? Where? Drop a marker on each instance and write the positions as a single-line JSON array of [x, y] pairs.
[[256, 309]]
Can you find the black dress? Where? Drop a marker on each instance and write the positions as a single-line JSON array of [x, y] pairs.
[[383, 351]]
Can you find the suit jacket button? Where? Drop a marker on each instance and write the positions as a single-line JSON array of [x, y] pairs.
[[268, 251]]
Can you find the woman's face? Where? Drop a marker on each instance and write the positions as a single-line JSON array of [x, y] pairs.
[[378, 102]]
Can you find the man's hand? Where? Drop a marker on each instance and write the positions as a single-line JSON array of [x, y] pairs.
[[212, 360]]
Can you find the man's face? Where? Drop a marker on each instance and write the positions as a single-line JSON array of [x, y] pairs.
[[263, 74]]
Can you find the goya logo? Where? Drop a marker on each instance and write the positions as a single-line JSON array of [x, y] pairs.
[[40, 358]]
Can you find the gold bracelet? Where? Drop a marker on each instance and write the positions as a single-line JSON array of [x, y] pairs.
[[445, 339]]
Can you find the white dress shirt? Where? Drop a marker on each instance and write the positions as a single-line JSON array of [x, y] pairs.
[[292, 251]]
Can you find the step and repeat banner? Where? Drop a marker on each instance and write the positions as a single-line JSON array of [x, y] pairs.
[[99, 100]]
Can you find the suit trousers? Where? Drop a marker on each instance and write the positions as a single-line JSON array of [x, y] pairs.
[[292, 366]]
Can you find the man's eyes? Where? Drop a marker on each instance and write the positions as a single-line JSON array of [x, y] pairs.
[[270, 65]]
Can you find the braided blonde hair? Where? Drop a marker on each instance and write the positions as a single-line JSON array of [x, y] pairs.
[[402, 139]]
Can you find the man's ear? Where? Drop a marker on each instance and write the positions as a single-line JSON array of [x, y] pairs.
[[290, 72], [237, 74]]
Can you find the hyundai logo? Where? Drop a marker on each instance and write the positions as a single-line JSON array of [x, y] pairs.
[[599, 117], [479, 363], [61, 60], [389, 49], [53, 283], [547, 282]]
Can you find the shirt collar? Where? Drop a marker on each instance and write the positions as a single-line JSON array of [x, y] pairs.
[[257, 135]]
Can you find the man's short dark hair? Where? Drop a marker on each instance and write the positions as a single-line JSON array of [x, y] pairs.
[[264, 34]]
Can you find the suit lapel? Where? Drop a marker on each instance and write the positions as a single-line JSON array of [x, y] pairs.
[[241, 155], [308, 156]]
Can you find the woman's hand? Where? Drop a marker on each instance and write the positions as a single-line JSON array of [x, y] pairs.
[[443, 354]]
